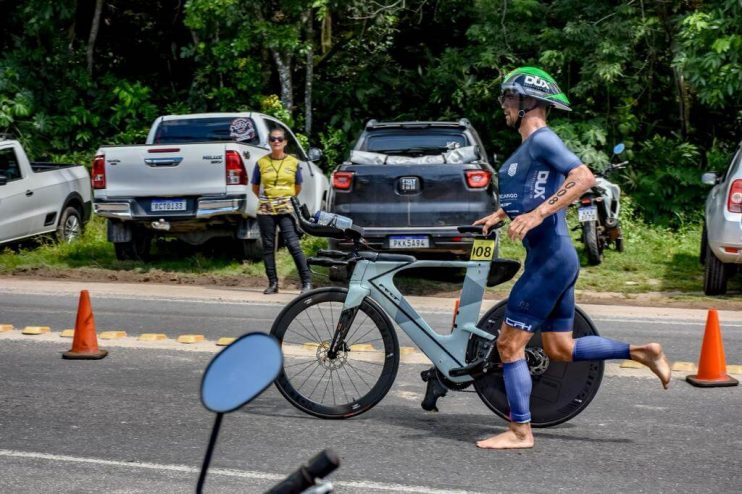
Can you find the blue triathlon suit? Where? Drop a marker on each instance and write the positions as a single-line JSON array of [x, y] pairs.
[[543, 298]]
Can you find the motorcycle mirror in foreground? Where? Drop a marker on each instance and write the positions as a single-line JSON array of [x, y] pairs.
[[619, 148], [236, 376]]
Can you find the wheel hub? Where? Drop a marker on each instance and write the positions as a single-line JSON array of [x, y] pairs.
[[537, 360], [328, 362]]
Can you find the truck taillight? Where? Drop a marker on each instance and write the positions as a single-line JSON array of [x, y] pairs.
[[734, 201], [236, 173], [342, 180], [477, 179], [98, 172]]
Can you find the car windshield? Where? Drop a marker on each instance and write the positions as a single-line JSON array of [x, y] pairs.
[[206, 129], [415, 142]]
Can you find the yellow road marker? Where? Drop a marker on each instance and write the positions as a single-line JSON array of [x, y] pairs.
[[362, 347], [152, 337], [35, 330], [684, 366], [734, 369], [67, 333], [630, 364], [310, 346], [6, 327], [224, 341], [112, 335], [190, 338], [406, 350]]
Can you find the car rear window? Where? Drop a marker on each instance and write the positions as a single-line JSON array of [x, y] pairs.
[[408, 141], [207, 129]]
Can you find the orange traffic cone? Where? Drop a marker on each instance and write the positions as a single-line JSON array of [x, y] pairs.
[[85, 341], [712, 365]]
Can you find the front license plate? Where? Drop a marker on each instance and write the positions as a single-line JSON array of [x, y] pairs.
[[588, 213], [168, 205], [409, 242]]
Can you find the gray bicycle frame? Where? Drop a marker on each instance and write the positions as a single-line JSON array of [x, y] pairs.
[[375, 279]]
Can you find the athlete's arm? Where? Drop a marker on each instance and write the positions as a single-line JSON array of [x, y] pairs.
[[578, 180], [491, 220]]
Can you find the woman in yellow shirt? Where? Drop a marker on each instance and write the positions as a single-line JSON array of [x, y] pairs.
[[280, 177]]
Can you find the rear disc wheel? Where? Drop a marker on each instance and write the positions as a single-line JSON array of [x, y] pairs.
[[561, 390]]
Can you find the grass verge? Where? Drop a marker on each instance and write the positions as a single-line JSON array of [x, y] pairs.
[[654, 260]]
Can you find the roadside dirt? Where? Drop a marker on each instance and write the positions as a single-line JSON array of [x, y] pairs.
[[692, 300]]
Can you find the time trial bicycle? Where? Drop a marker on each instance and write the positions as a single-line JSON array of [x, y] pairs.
[[342, 352]]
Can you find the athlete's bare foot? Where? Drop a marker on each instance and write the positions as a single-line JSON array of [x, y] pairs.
[[653, 357], [517, 436]]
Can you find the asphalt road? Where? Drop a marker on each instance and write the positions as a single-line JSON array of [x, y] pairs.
[[133, 422]]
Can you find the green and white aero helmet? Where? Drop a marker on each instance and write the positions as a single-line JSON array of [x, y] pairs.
[[533, 82]]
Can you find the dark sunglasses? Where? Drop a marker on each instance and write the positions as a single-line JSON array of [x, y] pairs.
[[276, 139], [507, 96]]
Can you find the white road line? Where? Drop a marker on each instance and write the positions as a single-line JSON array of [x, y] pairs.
[[673, 322], [377, 486]]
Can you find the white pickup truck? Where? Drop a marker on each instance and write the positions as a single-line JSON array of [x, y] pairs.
[[40, 198], [191, 181]]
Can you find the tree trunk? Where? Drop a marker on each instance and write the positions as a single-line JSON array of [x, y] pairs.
[[309, 22], [94, 34], [283, 65]]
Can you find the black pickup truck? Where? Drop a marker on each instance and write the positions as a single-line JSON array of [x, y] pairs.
[[409, 184]]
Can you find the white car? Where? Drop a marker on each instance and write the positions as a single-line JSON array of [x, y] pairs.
[[721, 240], [40, 198]]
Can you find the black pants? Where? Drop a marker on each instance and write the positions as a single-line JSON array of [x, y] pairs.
[[268, 224]]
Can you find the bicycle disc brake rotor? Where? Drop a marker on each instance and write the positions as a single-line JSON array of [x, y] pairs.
[[331, 363], [561, 390], [538, 361]]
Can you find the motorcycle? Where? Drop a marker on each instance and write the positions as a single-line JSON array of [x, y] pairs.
[[597, 211]]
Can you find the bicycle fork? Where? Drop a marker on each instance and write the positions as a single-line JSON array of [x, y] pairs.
[[347, 316]]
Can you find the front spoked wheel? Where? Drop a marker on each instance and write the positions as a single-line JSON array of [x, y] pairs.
[[561, 390], [341, 385]]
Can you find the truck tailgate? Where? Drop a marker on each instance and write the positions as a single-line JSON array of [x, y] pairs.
[[398, 196], [165, 170]]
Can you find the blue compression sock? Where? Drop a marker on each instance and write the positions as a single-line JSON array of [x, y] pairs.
[[599, 348], [518, 388]]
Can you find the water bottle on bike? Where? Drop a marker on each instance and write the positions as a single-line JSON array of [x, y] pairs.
[[334, 220]]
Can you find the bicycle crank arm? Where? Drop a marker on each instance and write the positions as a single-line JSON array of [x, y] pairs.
[[477, 367]]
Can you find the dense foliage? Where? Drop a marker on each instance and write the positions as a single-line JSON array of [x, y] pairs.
[[664, 77]]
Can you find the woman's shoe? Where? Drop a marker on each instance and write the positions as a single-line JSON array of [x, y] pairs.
[[272, 288]]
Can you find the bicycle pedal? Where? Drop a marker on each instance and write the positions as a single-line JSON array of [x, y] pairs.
[[434, 390]]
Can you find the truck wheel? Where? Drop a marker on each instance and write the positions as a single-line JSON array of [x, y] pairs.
[[249, 250], [137, 249], [69, 227], [715, 274]]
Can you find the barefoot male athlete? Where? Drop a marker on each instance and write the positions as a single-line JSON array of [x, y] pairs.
[[537, 183]]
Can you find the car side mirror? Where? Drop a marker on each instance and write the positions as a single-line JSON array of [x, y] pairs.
[[3, 180], [710, 178], [314, 154]]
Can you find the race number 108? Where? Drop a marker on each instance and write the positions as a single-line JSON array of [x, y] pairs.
[[482, 250]]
